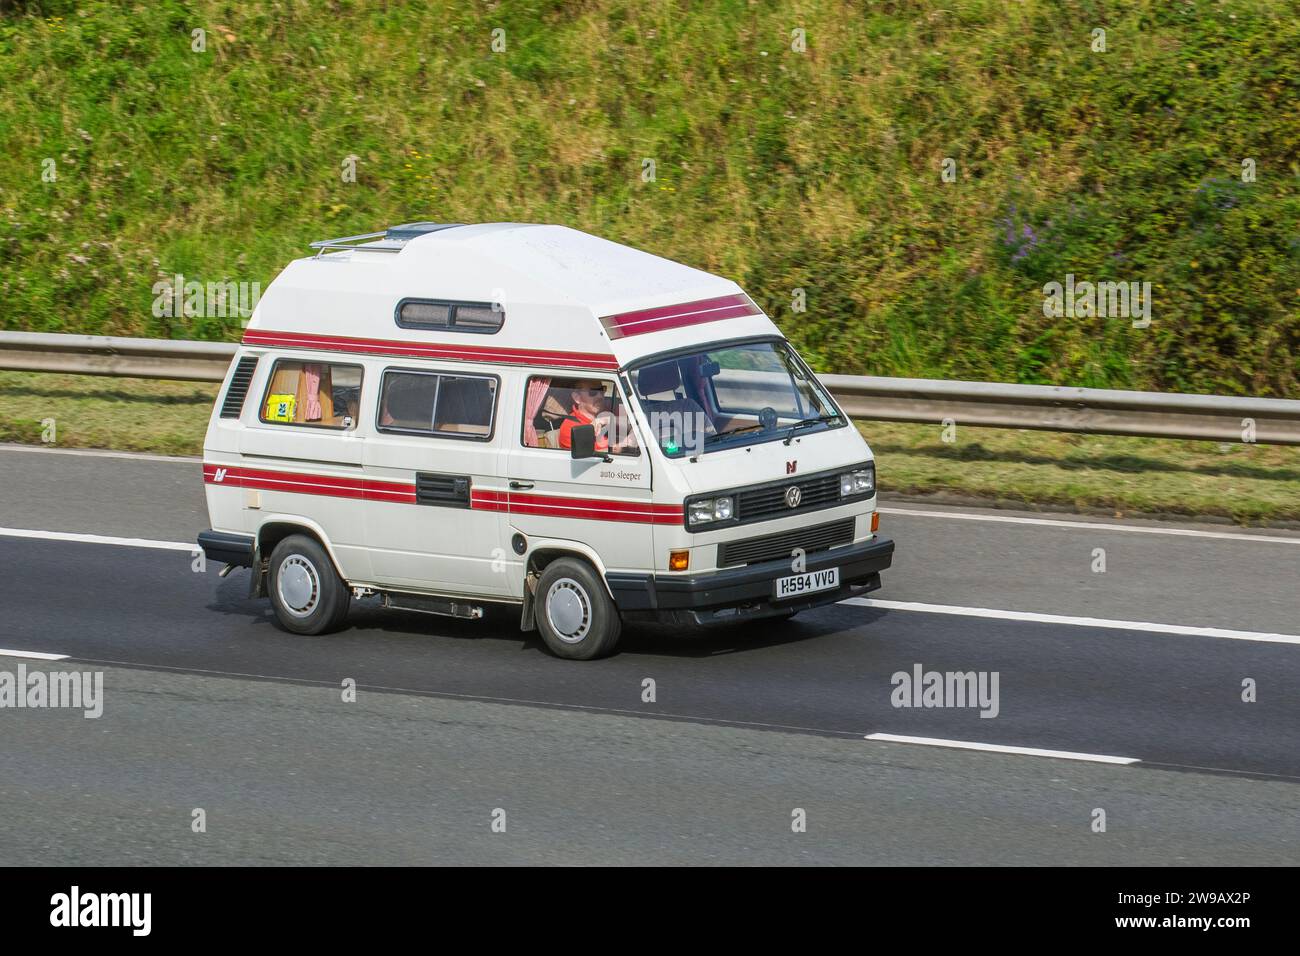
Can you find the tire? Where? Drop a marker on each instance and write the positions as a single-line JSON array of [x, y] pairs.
[[306, 592], [574, 613]]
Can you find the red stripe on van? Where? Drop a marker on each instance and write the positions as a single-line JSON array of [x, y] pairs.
[[463, 353], [481, 499], [679, 316], [303, 484], [563, 506]]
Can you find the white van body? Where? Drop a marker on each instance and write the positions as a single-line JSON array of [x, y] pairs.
[[446, 517]]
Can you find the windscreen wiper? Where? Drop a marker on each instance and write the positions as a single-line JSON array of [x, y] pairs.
[[804, 423], [710, 439]]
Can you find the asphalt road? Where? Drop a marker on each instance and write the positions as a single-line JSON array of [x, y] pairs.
[[207, 704]]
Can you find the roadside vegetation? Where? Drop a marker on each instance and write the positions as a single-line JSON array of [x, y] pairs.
[[1249, 484], [789, 161]]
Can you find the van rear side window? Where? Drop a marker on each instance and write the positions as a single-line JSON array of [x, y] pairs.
[[432, 403], [317, 394]]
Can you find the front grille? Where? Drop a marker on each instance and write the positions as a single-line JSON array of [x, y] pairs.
[[759, 504], [772, 546]]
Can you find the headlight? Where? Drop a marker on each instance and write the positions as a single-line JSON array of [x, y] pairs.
[[706, 510], [860, 481]]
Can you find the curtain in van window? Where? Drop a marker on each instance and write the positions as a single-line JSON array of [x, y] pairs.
[[311, 374], [537, 389]]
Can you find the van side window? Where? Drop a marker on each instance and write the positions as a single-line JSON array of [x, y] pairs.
[[318, 394], [553, 407], [431, 403]]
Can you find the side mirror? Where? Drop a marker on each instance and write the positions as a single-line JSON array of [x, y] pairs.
[[582, 441]]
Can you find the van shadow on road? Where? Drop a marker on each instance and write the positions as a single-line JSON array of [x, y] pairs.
[[501, 623]]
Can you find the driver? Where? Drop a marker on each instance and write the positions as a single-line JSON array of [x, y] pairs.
[[590, 406]]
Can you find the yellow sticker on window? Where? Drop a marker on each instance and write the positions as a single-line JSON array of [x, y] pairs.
[[279, 408]]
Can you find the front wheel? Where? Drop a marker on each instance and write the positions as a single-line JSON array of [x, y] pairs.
[[306, 592], [574, 613]]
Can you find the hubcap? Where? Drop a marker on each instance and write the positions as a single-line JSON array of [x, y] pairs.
[[569, 610], [298, 585]]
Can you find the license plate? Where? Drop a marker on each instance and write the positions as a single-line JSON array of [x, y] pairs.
[[797, 584]]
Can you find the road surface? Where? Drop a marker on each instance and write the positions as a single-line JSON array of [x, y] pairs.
[[1132, 678]]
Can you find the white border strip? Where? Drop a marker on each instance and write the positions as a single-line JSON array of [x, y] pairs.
[[1001, 749], [1036, 617], [99, 539], [34, 655], [97, 453], [1090, 525]]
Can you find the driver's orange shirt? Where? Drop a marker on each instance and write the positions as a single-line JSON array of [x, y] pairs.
[[567, 426]]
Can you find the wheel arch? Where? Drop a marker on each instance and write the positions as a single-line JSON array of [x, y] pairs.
[[544, 551], [273, 529]]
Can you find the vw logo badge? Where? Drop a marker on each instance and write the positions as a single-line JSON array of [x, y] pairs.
[[793, 496]]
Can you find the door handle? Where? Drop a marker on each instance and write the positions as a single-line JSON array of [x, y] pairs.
[[520, 485]]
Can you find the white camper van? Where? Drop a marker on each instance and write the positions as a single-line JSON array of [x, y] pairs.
[[452, 416]]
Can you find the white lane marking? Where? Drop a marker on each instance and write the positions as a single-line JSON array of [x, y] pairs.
[[1037, 617], [98, 453], [1090, 525], [98, 539], [994, 613], [34, 655], [1000, 748]]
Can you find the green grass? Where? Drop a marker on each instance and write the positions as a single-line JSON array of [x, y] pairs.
[[1251, 484], [817, 170], [167, 418]]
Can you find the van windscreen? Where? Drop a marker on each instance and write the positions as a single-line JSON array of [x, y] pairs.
[[732, 395]]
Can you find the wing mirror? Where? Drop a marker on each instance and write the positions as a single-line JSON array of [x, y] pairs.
[[582, 443]]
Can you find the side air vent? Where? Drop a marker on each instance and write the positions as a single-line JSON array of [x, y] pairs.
[[449, 491], [238, 391]]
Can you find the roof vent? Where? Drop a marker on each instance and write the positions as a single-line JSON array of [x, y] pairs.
[[411, 230]]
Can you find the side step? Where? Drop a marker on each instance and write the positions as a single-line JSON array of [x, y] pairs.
[[432, 605]]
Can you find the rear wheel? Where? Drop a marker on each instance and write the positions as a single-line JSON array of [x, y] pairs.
[[574, 613], [306, 592]]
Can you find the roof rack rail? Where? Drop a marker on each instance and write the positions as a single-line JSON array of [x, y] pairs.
[[391, 239], [350, 242]]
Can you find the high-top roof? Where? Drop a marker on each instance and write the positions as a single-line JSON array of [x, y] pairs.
[[560, 289]]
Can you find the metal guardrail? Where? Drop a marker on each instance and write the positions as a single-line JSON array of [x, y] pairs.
[[1101, 411], [110, 355], [979, 404]]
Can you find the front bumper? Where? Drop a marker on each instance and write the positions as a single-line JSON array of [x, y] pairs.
[[743, 594]]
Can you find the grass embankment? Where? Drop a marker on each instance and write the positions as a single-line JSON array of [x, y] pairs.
[[1248, 483], [817, 168]]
